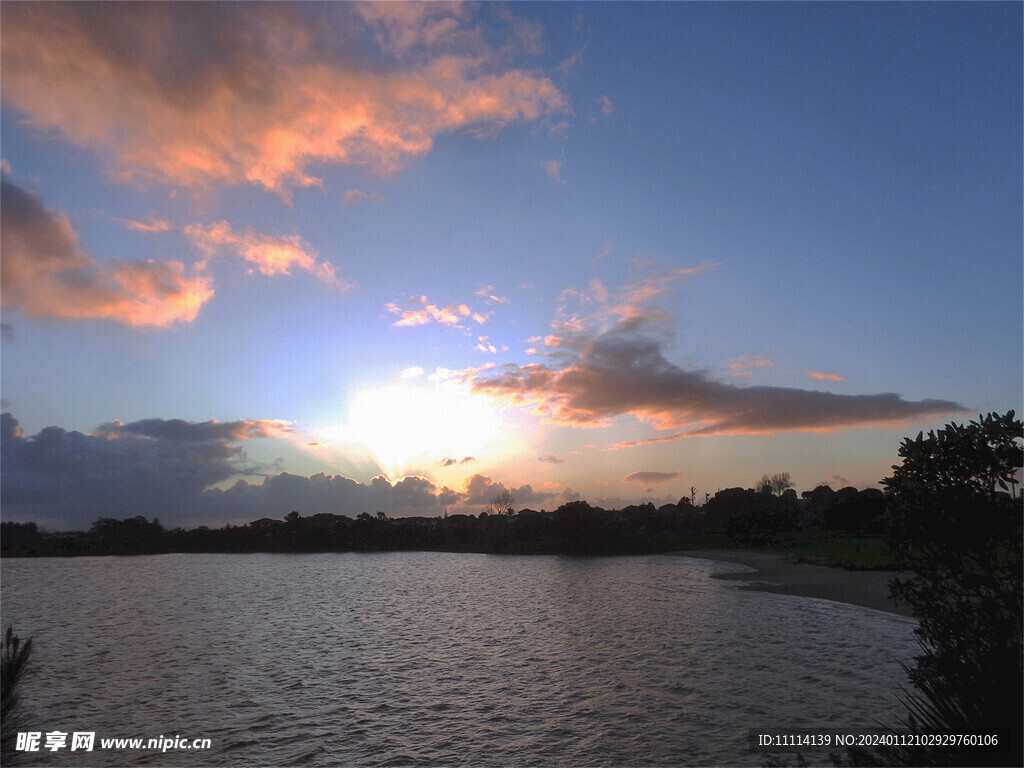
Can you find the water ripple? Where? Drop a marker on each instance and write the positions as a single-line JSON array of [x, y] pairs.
[[438, 659]]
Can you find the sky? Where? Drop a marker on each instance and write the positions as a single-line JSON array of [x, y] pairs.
[[340, 257]]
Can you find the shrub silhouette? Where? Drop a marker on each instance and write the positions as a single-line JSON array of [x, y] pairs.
[[956, 524]]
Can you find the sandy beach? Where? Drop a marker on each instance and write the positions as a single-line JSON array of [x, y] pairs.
[[774, 573]]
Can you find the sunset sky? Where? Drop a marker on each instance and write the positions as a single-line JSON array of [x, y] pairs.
[[338, 257]]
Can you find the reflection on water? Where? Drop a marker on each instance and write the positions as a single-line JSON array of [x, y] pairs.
[[429, 658]]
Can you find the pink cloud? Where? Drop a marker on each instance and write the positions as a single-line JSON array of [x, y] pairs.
[[838, 481], [824, 376], [553, 168], [149, 224], [485, 345], [270, 255], [353, 196], [585, 312], [489, 295], [742, 367], [47, 273], [453, 315], [279, 87]]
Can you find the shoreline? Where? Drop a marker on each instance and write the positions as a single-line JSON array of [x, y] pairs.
[[773, 573]]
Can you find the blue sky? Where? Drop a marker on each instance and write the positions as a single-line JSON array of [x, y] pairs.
[[541, 247]]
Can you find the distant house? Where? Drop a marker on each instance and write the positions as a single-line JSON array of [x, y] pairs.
[[264, 524], [420, 522]]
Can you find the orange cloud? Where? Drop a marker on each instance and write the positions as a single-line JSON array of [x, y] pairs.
[[46, 273], [649, 441], [271, 255], [262, 92], [150, 224], [825, 376], [453, 315]]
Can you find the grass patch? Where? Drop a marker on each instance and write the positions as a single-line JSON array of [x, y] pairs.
[[839, 550]]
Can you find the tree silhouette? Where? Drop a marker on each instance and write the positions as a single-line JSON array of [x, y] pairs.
[[781, 482], [503, 503], [956, 525]]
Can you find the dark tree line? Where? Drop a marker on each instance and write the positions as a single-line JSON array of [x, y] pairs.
[[573, 528], [746, 516], [759, 516]]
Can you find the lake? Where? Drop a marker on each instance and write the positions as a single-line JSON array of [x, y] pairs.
[[431, 658]]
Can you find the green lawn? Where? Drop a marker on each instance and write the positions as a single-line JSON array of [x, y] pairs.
[[825, 547], [837, 549]]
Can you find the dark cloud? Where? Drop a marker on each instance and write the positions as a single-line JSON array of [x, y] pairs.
[[448, 461], [481, 490], [623, 371], [548, 458], [168, 468], [321, 493], [152, 467], [651, 478]]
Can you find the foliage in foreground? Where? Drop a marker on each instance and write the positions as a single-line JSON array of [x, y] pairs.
[[956, 524], [14, 657]]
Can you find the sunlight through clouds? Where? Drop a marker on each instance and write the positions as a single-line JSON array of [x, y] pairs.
[[415, 422], [564, 269]]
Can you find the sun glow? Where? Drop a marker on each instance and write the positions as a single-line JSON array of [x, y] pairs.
[[415, 423]]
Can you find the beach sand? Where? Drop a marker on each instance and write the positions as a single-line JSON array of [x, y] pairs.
[[869, 589]]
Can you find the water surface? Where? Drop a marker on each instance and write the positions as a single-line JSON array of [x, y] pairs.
[[429, 658]]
